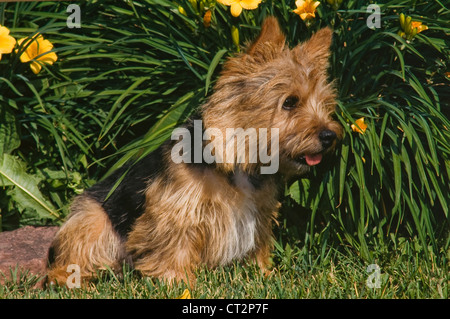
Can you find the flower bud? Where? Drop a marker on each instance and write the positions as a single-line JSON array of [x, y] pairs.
[[207, 19], [235, 35]]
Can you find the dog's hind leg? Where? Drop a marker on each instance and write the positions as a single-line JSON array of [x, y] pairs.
[[87, 239]]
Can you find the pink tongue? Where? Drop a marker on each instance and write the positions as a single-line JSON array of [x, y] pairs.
[[312, 160]]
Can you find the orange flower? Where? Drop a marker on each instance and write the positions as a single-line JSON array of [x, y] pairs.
[[420, 27], [207, 19], [306, 9], [360, 126], [7, 42], [37, 49]]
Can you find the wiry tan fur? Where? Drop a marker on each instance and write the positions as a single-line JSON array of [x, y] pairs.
[[196, 216], [199, 218], [87, 240]]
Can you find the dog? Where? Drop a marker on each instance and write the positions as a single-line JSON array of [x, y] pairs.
[[169, 216]]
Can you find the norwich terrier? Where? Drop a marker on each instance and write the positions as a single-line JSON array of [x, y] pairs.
[[178, 209]]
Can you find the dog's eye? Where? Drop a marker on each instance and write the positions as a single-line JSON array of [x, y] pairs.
[[290, 102]]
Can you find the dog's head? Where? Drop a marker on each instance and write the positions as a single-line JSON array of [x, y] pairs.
[[273, 86]]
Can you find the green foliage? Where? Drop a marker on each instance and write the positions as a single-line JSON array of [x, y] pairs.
[[136, 69]]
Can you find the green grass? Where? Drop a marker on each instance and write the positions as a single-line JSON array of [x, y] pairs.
[[298, 273]]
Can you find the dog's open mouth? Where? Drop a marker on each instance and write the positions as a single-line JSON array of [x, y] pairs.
[[310, 159]]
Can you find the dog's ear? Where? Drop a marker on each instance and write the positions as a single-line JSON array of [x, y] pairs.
[[269, 43], [317, 49]]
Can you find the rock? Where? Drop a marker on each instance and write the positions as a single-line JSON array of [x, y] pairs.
[[25, 248]]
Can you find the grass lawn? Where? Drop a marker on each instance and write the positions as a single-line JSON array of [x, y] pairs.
[[298, 273]]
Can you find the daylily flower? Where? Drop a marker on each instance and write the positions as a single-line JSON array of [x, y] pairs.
[[410, 28], [7, 42], [360, 126], [420, 27], [238, 5], [306, 9], [34, 51]]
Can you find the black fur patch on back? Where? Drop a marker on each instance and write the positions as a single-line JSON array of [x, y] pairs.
[[127, 202]]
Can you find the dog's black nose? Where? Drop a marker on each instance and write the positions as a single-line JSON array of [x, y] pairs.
[[327, 138]]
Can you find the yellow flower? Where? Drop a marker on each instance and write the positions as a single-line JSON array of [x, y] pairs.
[[186, 295], [7, 42], [360, 126], [37, 50], [238, 5], [306, 9]]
